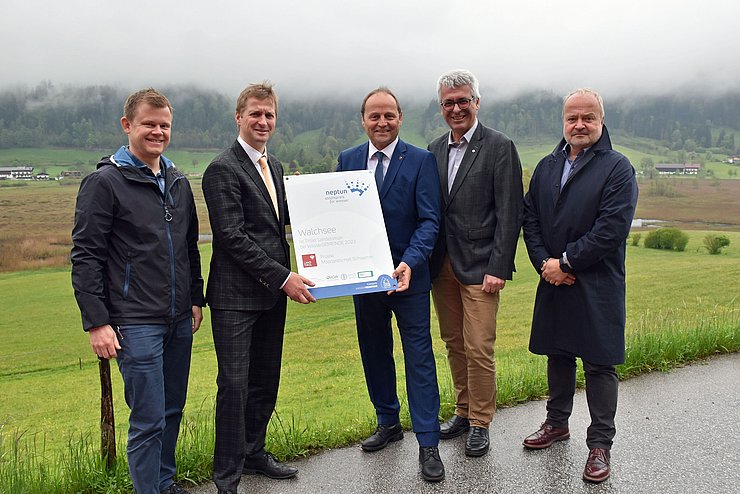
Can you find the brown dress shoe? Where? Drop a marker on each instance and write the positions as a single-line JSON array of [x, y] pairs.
[[544, 437], [597, 465]]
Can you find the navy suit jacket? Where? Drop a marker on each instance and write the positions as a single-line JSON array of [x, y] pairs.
[[410, 199]]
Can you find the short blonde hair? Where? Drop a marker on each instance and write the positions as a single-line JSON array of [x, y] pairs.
[[260, 91]]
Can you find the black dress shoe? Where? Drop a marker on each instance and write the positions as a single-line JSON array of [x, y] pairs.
[[477, 443], [268, 466], [456, 426], [432, 468], [173, 489], [383, 435]]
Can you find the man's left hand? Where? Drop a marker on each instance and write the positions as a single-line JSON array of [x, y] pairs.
[[402, 274], [491, 284], [197, 317]]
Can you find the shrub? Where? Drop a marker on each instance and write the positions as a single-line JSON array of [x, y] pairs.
[[715, 243], [635, 238], [667, 239]]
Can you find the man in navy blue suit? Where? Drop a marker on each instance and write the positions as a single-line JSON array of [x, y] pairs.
[[408, 185]]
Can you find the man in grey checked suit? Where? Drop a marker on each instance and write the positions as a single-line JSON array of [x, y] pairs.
[[481, 180], [249, 279]]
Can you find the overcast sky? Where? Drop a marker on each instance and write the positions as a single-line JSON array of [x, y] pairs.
[[347, 47]]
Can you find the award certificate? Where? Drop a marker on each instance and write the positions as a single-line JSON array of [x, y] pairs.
[[339, 234]]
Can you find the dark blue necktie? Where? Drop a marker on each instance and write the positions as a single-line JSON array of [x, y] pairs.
[[379, 170]]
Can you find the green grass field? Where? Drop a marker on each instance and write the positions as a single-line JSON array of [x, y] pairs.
[[49, 385]]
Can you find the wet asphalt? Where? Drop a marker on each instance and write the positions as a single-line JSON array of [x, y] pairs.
[[677, 432]]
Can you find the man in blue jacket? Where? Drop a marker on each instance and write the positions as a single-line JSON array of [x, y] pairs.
[[577, 216], [408, 185], [136, 278]]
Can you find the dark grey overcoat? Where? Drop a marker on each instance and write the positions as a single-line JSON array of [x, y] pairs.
[[589, 219]]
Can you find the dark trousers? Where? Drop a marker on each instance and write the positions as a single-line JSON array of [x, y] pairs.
[[601, 395], [249, 346], [375, 336]]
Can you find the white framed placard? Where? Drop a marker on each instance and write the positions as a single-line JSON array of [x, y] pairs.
[[339, 234]]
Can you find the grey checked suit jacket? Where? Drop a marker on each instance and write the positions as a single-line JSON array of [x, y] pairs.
[[251, 256], [482, 214]]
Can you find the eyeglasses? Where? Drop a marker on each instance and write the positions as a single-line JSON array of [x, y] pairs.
[[462, 103]]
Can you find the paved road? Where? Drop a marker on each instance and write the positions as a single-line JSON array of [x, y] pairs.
[[676, 433]]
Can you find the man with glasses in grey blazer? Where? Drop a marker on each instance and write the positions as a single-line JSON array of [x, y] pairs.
[[481, 184]]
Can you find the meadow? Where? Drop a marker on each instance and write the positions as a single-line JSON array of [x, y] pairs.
[[50, 392], [681, 306]]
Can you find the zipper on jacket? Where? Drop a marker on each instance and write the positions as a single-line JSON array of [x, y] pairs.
[[127, 277], [171, 247]]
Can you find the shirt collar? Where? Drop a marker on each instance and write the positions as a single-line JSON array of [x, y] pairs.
[[388, 150], [253, 154], [140, 164], [566, 152], [468, 135]]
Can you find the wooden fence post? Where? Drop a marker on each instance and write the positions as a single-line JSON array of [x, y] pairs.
[[107, 422]]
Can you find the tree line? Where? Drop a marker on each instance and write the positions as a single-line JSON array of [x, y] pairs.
[[312, 132]]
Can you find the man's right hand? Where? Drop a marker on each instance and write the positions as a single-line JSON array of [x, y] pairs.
[[104, 342], [552, 274], [296, 289]]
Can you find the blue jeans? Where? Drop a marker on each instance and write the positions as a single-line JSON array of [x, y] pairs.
[[154, 361]]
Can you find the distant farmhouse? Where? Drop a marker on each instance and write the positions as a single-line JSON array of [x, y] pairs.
[[677, 169], [71, 174], [16, 172], [42, 176], [733, 160]]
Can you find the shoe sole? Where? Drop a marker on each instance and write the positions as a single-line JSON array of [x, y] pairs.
[[395, 437], [474, 453], [452, 435], [594, 479], [429, 478], [547, 445], [249, 471]]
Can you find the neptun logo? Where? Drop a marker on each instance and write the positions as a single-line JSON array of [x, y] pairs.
[[357, 186]]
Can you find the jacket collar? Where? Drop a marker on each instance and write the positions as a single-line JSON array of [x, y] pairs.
[[603, 144], [123, 157]]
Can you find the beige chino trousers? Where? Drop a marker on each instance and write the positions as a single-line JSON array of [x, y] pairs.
[[467, 322]]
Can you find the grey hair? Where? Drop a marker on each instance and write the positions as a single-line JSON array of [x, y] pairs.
[[586, 91], [457, 78]]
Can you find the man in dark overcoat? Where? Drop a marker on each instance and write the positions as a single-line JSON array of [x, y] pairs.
[[577, 216]]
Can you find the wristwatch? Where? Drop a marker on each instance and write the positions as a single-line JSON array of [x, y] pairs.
[[564, 266], [544, 261]]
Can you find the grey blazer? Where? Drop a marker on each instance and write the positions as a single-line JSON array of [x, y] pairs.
[[251, 256], [482, 213]]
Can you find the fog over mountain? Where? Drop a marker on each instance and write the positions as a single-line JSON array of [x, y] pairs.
[[342, 49]]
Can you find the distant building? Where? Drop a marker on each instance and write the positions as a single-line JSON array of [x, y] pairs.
[[677, 169], [16, 172], [42, 176], [732, 160], [71, 174]]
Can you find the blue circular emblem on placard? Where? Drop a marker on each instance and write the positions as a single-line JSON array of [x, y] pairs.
[[385, 281]]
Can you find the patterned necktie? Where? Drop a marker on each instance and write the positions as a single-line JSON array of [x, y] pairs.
[[379, 170], [268, 182]]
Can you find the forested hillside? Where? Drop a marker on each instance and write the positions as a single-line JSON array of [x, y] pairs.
[[312, 132]]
